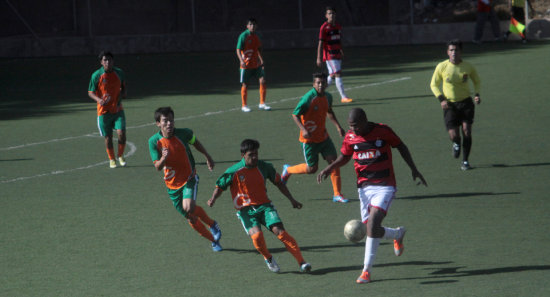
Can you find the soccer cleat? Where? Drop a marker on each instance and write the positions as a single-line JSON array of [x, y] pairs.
[[272, 265], [340, 199], [456, 150], [216, 247], [245, 108], [363, 278], [264, 107], [398, 246], [216, 232], [465, 166], [285, 175], [346, 100], [121, 161], [112, 163], [305, 267]]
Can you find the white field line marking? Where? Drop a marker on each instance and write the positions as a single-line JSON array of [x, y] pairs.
[[133, 147], [132, 151]]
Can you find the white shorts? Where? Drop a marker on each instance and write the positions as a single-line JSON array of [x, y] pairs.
[[334, 66], [380, 197]]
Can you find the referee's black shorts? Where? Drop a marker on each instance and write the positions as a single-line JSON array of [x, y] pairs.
[[458, 113]]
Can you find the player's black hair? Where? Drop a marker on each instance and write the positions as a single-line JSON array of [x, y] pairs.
[[251, 20], [455, 42], [320, 75], [358, 114], [105, 54], [330, 8], [249, 145], [163, 111]]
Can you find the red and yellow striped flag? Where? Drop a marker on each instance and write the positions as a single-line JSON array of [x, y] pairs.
[[517, 27]]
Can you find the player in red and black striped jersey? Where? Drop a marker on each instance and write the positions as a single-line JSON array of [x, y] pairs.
[[370, 144]]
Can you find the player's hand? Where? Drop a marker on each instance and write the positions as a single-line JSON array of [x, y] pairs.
[[319, 62], [164, 152], [296, 204], [416, 174], [322, 175], [211, 202], [210, 163], [342, 132], [477, 99], [444, 104], [305, 133]]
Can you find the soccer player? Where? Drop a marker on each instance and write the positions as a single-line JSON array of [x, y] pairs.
[[170, 151], [370, 144], [249, 52], [455, 98], [330, 51], [310, 115], [107, 86], [246, 180]]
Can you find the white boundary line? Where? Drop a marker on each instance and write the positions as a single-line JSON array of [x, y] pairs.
[[133, 147]]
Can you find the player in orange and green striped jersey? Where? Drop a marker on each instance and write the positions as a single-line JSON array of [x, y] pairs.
[[247, 182], [107, 86], [170, 152]]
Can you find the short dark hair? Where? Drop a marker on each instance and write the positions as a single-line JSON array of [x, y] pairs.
[[456, 42], [105, 54], [330, 8], [249, 145], [163, 111], [252, 20], [320, 75]]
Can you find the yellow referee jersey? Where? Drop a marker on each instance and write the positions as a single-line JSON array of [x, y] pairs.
[[451, 80]]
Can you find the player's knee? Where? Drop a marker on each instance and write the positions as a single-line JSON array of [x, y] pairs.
[[312, 169], [277, 228]]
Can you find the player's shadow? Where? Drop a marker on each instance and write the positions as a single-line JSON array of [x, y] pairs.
[[514, 165], [457, 195], [13, 160], [327, 270]]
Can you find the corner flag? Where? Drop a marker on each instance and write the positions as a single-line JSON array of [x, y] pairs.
[[517, 27]]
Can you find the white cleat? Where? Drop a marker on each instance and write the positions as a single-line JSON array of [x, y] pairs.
[[272, 265], [264, 107], [245, 109]]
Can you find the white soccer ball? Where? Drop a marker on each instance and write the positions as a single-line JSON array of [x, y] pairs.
[[355, 230]]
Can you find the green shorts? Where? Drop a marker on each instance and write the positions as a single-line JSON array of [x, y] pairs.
[[109, 121], [246, 74], [252, 216], [187, 191], [312, 150]]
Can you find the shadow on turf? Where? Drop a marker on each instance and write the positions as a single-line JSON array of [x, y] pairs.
[[514, 165], [458, 195]]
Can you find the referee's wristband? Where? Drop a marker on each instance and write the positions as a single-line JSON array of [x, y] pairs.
[[441, 98]]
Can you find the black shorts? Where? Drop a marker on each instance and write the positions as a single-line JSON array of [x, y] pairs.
[[458, 113]]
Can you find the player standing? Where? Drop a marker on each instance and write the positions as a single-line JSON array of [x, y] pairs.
[[170, 151], [107, 86], [370, 144], [246, 181], [310, 115], [249, 52], [330, 51], [454, 75]]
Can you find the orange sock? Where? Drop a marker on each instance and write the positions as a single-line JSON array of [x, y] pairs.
[[291, 246], [121, 147], [298, 169], [263, 92], [336, 182], [111, 153], [244, 95], [201, 214], [259, 243], [201, 229]]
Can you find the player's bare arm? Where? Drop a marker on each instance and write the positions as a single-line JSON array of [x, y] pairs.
[[260, 57], [209, 161], [123, 93], [406, 155], [305, 132], [241, 60], [339, 162], [94, 97], [159, 164], [215, 195], [477, 99], [284, 190], [332, 117], [319, 53]]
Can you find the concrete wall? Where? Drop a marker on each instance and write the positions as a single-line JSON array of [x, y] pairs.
[[226, 41]]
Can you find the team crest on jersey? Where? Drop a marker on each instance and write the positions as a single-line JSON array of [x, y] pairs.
[[379, 143], [241, 178], [355, 147]]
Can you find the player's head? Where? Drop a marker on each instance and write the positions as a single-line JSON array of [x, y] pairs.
[[320, 82], [454, 51], [358, 121], [249, 151], [164, 119], [251, 25], [330, 14], [106, 59]]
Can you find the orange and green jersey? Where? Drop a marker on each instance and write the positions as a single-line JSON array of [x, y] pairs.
[[180, 164], [312, 110], [107, 85], [454, 80], [249, 45], [247, 184]]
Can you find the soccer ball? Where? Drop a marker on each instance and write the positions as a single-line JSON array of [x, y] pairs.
[[355, 230]]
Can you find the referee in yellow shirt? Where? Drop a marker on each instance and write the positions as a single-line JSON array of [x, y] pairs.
[[450, 85]]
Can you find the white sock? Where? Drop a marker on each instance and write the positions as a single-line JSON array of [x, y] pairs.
[[340, 87], [329, 79], [371, 246], [391, 233]]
